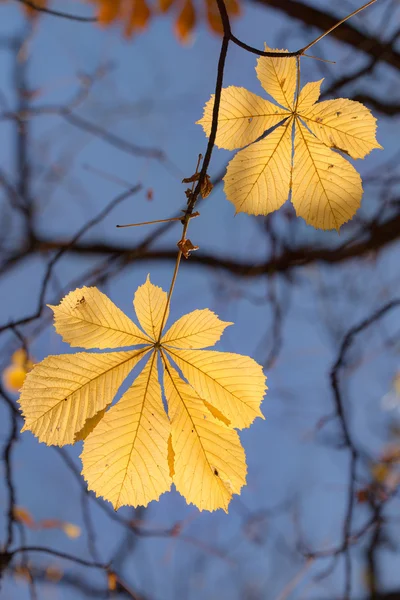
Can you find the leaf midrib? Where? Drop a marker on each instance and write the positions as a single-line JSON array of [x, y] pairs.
[[138, 426], [194, 426]]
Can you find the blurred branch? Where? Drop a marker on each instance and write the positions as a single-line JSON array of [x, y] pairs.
[[376, 238], [58, 554], [383, 106], [347, 33], [56, 13], [61, 251], [348, 538], [79, 584]]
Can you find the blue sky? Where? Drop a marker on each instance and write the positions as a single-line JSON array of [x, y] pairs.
[[153, 96]]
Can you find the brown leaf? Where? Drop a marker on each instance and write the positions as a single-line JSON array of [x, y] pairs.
[[206, 187], [186, 247], [194, 177]]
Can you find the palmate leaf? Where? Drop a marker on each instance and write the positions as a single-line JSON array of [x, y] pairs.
[[133, 451], [300, 155]]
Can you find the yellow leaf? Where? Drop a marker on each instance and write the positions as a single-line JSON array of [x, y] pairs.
[[125, 457], [278, 77], [150, 304], [21, 359], [198, 329], [343, 124], [15, 374], [209, 463], [243, 117], [14, 377], [87, 318], [251, 180], [129, 455], [234, 384], [71, 530], [309, 95], [62, 392], [326, 188]]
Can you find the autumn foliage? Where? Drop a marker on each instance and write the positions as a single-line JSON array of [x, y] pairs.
[[301, 155], [135, 15], [134, 451]]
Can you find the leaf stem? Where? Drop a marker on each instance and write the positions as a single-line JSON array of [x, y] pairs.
[[227, 36], [186, 218], [355, 12], [154, 222]]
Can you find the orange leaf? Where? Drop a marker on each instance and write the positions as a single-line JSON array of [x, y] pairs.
[[139, 18], [165, 5], [112, 581], [23, 516], [213, 17], [108, 11], [233, 8], [185, 22]]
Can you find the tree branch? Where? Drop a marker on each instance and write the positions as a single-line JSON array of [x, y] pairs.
[[346, 33], [379, 237]]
